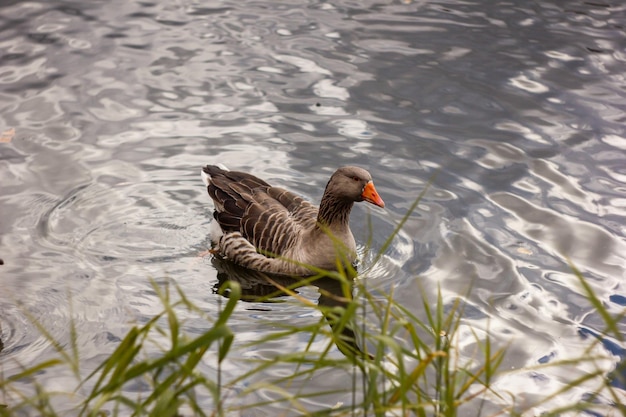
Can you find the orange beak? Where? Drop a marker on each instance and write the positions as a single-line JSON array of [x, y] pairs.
[[371, 196]]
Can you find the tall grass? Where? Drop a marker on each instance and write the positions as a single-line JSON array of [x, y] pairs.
[[170, 378], [399, 364]]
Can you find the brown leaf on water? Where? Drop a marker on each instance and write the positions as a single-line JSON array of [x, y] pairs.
[[7, 135]]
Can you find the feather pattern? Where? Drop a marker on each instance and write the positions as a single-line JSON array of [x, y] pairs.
[[273, 230]]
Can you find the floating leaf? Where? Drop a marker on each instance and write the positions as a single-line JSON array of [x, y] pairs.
[[7, 135]]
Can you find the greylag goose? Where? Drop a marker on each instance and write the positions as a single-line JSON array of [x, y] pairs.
[[272, 230]]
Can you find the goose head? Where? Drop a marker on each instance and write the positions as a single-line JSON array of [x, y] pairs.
[[353, 184]]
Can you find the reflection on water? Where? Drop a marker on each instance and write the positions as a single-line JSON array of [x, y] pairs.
[[257, 287], [517, 106]]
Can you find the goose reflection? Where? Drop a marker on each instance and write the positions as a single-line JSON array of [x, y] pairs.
[[259, 287]]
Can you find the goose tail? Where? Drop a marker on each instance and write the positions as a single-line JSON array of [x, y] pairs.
[[206, 178], [208, 170]]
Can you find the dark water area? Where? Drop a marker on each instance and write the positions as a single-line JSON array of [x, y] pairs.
[[510, 114]]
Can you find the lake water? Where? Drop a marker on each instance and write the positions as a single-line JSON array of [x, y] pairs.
[[108, 109]]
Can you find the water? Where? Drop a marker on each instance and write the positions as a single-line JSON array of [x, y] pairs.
[[518, 107]]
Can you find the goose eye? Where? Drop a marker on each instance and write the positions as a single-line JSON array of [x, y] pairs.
[[356, 178]]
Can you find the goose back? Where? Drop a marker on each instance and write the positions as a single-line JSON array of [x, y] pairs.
[[271, 218]]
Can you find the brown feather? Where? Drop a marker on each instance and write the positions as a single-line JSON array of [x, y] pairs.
[[262, 224]]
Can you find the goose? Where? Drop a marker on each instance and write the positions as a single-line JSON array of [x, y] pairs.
[[269, 229]]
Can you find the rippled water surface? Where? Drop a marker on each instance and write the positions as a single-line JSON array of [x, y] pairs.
[[109, 108]]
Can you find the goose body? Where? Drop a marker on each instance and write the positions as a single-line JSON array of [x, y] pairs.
[[270, 229]]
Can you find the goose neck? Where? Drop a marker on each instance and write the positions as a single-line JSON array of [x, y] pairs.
[[334, 212]]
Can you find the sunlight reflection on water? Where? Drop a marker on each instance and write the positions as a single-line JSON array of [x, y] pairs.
[[519, 111]]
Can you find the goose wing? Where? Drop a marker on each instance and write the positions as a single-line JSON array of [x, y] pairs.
[[271, 218]]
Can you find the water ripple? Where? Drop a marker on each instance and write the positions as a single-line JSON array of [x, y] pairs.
[[517, 107]]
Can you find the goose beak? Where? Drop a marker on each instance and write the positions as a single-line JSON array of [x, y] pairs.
[[371, 196]]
